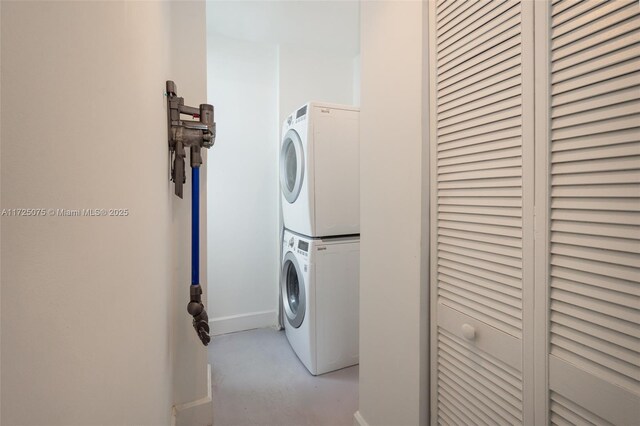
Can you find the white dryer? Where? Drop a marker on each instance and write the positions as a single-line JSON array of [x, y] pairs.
[[320, 286], [320, 170]]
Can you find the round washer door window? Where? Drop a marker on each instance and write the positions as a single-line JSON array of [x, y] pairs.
[[293, 291], [291, 166]]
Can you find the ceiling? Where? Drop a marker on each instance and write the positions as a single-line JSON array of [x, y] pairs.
[[327, 25]]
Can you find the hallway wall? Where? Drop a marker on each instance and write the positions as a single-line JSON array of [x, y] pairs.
[[94, 325], [393, 331]]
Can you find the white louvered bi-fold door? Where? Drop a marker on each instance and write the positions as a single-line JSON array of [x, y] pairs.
[[479, 132], [594, 212]]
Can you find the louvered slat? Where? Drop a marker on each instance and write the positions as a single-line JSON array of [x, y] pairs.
[[497, 112], [563, 26], [465, 9], [627, 205], [470, 378], [481, 246], [498, 240], [619, 176], [590, 67], [574, 413], [592, 153], [602, 268], [596, 41], [481, 49], [567, 10], [607, 99], [479, 282], [596, 165], [457, 398], [590, 91], [473, 142], [500, 220], [596, 76], [593, 24], [480, 94], [462, 416], [464, 117], [492, 292], [595, 330], [621, 288], [504, 182], [466, 45], [487, 64], [577, 249], [605, 244], [452, 10], [472, 26], [596, 113], [486, 101]]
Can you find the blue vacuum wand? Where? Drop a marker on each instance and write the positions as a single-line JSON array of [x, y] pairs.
[[195, 306], [194, 135]]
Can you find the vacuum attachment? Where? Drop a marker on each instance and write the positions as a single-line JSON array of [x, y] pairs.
[[199, 314]]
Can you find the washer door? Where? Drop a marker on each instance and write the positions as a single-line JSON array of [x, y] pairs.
[[293, 291], [291, 166]]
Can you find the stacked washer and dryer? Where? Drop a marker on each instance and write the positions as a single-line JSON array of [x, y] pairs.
[[320, 195]]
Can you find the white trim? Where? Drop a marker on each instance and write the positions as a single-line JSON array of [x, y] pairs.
[[528, 206], [433, 213], [425, 227], [542, 118], [358, 420], [242, 322], [198, 412]]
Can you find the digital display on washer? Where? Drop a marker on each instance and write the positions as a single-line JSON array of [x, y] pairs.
[[303, 245], [302, 111]]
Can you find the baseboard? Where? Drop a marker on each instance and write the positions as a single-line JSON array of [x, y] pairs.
[[358, 420], [195, 413], [231, 324]]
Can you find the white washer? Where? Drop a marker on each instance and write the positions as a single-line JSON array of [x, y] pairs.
[[320, 281], [320, 170]]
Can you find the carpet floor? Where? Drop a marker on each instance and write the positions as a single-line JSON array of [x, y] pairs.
[[258, 380]]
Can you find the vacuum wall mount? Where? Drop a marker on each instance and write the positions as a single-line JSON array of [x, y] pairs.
[[194, 135]]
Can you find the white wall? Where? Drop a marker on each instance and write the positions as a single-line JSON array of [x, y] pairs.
[[393, 328], [357, 71], [263, 62], [313, 75], [301, 24], [243, 209], [90, 326]]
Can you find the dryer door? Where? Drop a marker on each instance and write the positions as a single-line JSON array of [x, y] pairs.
[[293, 290], [291, 166]]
